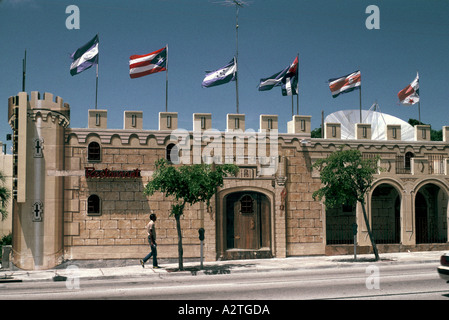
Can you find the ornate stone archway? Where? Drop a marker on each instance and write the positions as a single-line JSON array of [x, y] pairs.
[[386, 214], [245, 223], [431, 212]]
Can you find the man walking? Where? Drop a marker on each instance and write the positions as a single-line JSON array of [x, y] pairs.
[[151, 230]]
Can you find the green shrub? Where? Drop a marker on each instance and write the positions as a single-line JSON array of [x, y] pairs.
[[5, 241]]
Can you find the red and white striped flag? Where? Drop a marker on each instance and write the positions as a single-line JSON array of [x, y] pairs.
[[345, 84], [142, 65]]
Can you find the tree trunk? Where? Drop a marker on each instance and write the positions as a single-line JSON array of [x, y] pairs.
[[373, 243], [180, 251]]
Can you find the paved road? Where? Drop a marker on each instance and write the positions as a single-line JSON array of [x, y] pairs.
[[398, 282]]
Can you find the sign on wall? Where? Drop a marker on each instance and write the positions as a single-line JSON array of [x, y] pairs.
[[91, 173]]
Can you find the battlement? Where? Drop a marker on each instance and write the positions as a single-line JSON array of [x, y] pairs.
[[133, 120], [48, 102], [299, 125]]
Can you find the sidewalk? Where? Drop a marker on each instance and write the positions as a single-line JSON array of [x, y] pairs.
[[128, 269]]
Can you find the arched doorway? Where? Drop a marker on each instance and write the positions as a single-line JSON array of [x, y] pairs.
[[431, 214], [386, 214], [247, 224]]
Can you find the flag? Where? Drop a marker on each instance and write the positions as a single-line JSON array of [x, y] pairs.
[[287, 78], [142, 65], [290, 81], [345, 84], [221, 76], [410, 94], [85, 57], [273, 81]]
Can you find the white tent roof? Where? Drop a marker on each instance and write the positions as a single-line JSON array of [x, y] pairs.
[[378, 121]]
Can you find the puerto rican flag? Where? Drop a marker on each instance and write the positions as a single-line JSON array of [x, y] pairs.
[[142, 65], [345, 84], [410, 94]]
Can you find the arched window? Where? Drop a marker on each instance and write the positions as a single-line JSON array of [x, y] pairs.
[[246, 204], [171, 153], [93, 152], [407, 160], [93, 204]]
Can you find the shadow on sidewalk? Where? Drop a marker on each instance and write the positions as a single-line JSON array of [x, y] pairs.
[[371, 260], [211, 270]]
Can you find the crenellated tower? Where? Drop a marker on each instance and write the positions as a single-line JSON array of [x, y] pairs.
[[38, 125]]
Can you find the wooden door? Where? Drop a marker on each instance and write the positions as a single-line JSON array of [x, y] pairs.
[[246, 223]]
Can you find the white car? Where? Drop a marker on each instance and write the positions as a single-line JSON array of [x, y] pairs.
[[443, 269]]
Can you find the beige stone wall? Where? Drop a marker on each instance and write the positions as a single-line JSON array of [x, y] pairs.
[[120, 230], [6, 169], [298, 223], [304, 218]]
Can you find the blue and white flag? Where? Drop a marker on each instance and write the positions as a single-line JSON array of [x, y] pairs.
[[273, 81], [85, 57], [221, 76]]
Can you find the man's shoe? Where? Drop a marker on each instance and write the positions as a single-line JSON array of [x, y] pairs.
[[156, 267], [142, 263]]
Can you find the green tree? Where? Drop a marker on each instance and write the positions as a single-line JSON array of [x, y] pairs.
[[187, 184], [4, 197], [316, 133], [347, 178]]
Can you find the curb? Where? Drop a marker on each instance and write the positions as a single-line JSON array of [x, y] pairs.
[[122, 272]]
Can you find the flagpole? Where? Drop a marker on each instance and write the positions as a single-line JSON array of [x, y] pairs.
[[293, 103], [96, 89], [419, 99], [419, 111], [237, 55], [297, 87], [96, 84], [24, 65], [360, 102], [166, 81]]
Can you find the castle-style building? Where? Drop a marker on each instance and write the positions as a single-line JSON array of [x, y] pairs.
[[78, 192]]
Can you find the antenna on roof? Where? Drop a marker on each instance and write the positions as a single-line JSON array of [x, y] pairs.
[[229, 3], [238, 4]]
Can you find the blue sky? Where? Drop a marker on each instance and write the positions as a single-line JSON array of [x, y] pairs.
[[329, 35]]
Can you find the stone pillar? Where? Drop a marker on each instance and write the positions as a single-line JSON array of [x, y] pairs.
[[235, 122], [332, 130], [393, 132], [407, 217], [362, 234], [422, 133], [446, 133], [363, 131], [279, 210], [168, 121], [133, 120], [299, 124], [268, 122]]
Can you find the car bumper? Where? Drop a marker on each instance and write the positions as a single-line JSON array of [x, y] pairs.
[[443, 272]]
